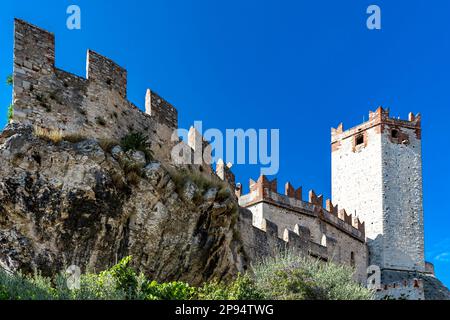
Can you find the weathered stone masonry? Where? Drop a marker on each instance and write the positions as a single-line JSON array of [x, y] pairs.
[[377, 174], [305, 226], [376, 168], [96, 106]]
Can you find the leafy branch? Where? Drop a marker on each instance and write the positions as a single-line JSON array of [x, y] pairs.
[[9, 80]]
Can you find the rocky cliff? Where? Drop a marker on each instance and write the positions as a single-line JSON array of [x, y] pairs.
[[75, 200]]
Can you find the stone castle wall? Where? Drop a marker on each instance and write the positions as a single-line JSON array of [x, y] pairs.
[[402, 199], [263, 240], [327, 233], [377, 174], [404, 290], [95, 106]]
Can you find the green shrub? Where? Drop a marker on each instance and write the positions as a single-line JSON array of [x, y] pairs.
[[243, 288], [213, 291], [169, 291], [290, 276], [120, 282], [10, 112], [138, 142], [133, 141], [294, 284], [124, 276], [9, 80], [286, 277], [117, 283], [96, 287], [20, 287]]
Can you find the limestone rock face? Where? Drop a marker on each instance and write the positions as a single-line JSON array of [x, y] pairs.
[[72, 203]]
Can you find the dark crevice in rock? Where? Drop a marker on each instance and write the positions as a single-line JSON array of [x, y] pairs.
[[69, 203]]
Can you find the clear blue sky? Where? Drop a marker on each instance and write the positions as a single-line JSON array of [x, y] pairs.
[[300, 66]]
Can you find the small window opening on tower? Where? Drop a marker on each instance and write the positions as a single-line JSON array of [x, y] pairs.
[[359, 140], [394, 133], [352, 259]]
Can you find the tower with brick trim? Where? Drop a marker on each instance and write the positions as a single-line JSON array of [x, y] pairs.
[[377, 180], [377, 175]]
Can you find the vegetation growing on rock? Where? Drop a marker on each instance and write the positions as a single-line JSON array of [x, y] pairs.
[[285, 277], [136, 141], [9, 80], [65, 199]]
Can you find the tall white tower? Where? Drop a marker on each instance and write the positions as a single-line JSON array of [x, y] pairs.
[[377, 174]]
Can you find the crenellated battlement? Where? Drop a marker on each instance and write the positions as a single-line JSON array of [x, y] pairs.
[[162, 111], [266, 235], [297, 238], [265, 238], [106, 72], [265, 190], [380, 119], [224, 172], [377, 173], [376, 166], [95, 106]]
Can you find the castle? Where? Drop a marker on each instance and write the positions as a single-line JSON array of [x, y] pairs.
[[377, 183], [375, 216]]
